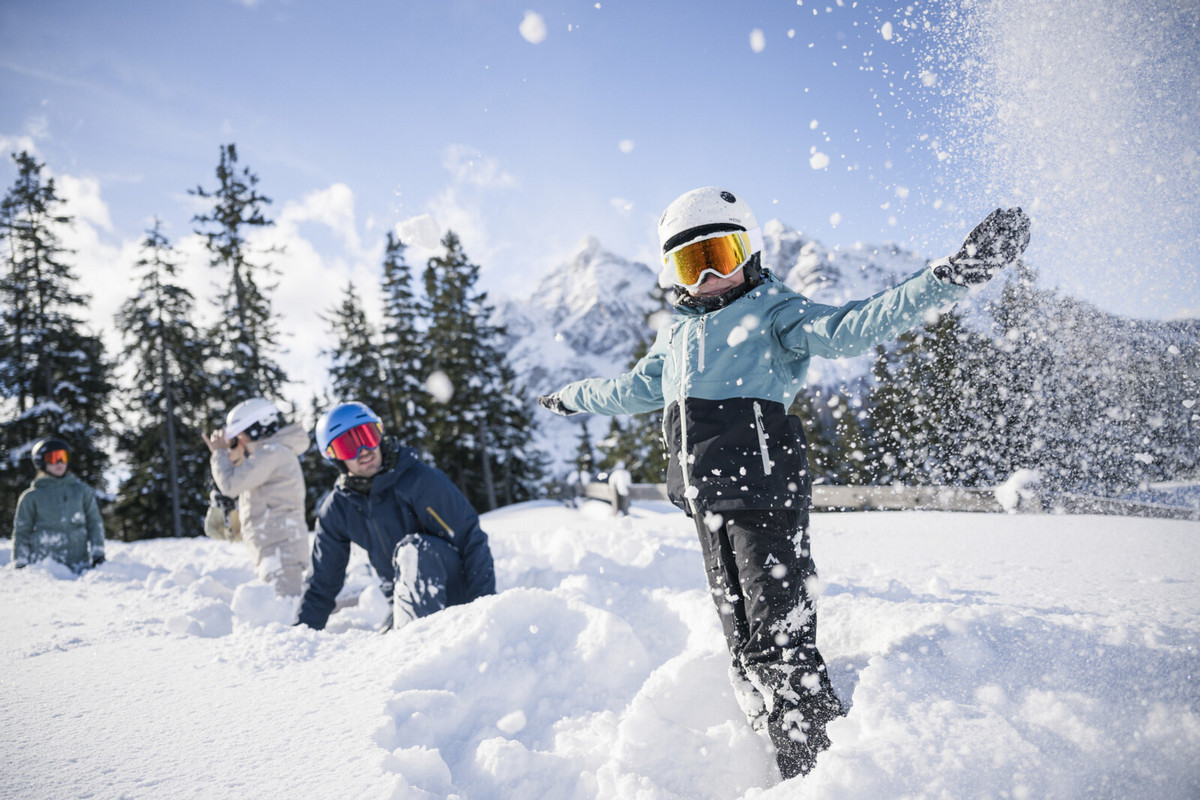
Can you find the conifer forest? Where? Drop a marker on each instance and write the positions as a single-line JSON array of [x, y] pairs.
[[1094, 403]]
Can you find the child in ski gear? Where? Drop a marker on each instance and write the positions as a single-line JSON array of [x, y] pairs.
[[57, 516], [725, 371], [421, 534], [256, 458]]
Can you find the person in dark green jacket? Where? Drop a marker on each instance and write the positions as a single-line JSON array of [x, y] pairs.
[[724, 373], [57, 516]]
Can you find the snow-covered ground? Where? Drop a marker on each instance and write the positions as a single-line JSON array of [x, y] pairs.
[[982, 656]]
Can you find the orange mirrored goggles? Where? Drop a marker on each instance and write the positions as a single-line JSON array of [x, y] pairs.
[[55, 457], [721, 255], [346, 446]]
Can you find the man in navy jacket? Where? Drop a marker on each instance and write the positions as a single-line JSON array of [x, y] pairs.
[[421, 534]]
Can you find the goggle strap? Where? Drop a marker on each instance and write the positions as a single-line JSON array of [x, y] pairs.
[[756, 240]]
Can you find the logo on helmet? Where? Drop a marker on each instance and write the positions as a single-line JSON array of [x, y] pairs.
[[728, 198]]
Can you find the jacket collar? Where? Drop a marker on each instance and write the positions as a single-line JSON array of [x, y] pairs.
[[767, 281]]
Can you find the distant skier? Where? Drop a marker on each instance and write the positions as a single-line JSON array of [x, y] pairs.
[[725, 372], [421, 534], [57, 516], [573, 493], [620, 483], [256, 458]]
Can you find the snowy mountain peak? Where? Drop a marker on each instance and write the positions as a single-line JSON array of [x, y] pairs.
[[592, 277], [584, 318], [833, 276]]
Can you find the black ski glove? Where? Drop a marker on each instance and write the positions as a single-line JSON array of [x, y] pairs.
[[97, 559], [218, 500], [994, 244], [554, 403]]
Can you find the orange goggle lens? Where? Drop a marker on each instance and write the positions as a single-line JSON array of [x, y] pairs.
[[720, 255], [55, 457], [346, 446]]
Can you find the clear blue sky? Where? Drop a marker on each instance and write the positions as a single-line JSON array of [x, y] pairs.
[[359, 115]]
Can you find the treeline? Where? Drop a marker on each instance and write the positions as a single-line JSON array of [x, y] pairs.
[[435, 370], [1096, 403]]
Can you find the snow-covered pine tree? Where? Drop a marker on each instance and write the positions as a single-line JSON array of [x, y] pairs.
[[585, 459], [479, 433], [167, 403], [1102, 398], [520, 468], [401, 349], [247, 333], [844, 422], [935, 407], [319, 474], [824, 450], [54, 377], [356, 372]]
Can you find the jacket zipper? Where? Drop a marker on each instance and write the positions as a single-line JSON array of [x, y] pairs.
[[762, 438], [683, 429]]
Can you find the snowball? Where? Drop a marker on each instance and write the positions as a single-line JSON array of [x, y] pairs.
[[758, 41], [886, 30], [512, 722], [438, 384], [1021, 485], [818, 160], [420, 230], [533, 27]]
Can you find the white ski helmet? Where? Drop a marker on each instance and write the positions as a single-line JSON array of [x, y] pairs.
[[257, 416], [704, 213], [700, 213]]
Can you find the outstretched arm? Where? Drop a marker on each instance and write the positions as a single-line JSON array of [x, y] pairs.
[[635, 392], [852, 329], [331, 554]]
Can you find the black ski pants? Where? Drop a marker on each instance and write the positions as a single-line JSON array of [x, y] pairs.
[[759, 565]]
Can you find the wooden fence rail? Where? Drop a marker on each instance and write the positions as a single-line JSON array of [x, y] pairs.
[[938, 498]]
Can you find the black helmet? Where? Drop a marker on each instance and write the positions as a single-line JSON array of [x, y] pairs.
[[46, 445]]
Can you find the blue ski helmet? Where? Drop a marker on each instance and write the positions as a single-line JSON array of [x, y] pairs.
[[340, 419]]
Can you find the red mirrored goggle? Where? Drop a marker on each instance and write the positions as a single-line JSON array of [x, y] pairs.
[[55, 457], [346, 446]]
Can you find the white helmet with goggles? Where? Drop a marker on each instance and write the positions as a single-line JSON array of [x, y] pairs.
[[706, 231], [258, 417]]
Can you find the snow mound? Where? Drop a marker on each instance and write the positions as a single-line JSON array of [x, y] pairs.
[[980, 656]]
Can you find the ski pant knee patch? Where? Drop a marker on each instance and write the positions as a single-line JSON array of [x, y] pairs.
[[429, 576]]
